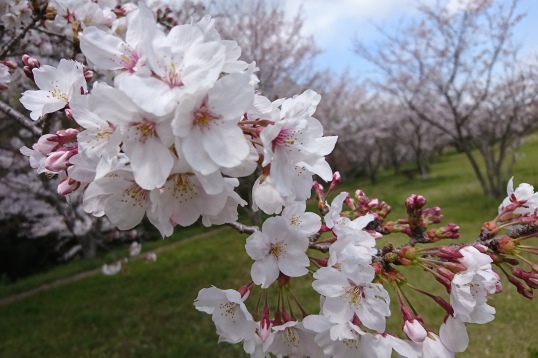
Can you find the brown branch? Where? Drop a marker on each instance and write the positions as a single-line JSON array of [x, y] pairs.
[[242, 228], [21, 118]]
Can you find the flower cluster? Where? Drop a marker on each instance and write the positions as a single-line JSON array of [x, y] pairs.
[[352, 281], [175, 128]]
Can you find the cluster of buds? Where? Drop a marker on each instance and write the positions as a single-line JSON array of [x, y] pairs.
[[359, 206], [29, 64], [417, 222], [505, 237]]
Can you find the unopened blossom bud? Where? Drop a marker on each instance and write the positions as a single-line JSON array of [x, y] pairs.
[[506, 245], [447, 252], [69, 114], [265, 324], [350, 203], [414, 203], [481, 248], [88, 75], [432, 215], [46, 144], [522, 288], [449, 231], [67, 186], [360, 195], [455, 267], [512, 261], [406, 312], [67, 136], [50, 14], [245, 290], [446, 273], [406, 262], [337, 178], [531, 278], [383, 210], [378, 269], [414, 330], [408, 252], [391, 257], [59, 159], [30, 62], [318, 189], [10, 64], [374, 203], [496, 258]]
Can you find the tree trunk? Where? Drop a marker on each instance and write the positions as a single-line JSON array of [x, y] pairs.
[[89, 245]]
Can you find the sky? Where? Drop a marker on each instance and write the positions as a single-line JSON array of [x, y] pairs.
[[336, 23]]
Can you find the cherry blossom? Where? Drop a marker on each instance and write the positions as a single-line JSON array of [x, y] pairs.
[[233, 321], [525, 193], [206, 122], [296, 140], [57, 86], [277, 248], [351, 291], [470, 289], [293, 340]]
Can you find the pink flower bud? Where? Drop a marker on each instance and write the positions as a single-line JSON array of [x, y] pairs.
[[59, 160], [67, 136], [30, 62], [414, 330], [88, 75], [446, 273], [46, 144], [265, 324], [67, 186], [69, 114], [447, 252], [415, 202], [432, 215], [10, 64], [337, 178]]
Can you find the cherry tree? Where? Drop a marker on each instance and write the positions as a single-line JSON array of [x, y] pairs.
[[276, 41], [175, 124], [456, 61]]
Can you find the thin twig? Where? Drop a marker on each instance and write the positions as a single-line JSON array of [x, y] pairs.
[[63, 37], [243, 229], [17, 38], [21, 118]]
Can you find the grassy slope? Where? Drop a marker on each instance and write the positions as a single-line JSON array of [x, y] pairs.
[[148, 312]]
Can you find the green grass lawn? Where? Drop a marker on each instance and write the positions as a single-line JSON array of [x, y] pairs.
[[148, 312]]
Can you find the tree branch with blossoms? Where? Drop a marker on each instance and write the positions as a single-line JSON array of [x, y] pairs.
[[179, 123]]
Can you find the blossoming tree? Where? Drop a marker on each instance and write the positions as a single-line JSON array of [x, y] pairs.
[[172, 129]]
